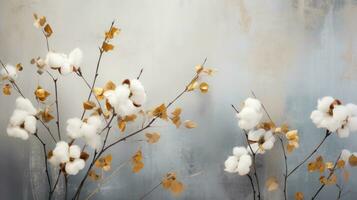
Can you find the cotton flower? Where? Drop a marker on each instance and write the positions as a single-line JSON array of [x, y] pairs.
[[23, 120], [69, 156], [65, 64], [88, 130], [335, 117], [9, 73], [261, 139], [240, 161], [250, 115], [126, 99]]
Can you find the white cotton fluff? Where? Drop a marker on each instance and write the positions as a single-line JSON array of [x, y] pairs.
[[250, 115], [17, 132], [138, 92], [74, 151], [345, 155], [74, 128], [22, 121], [260, 135], [66, 64], [240, 161], [324, 103], [60, 153], [73, 167], [9, 73]]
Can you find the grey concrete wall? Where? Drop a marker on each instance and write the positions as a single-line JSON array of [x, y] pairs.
[[290, 52]]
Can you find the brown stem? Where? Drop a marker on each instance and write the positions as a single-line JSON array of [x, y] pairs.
[[329, 176], [57, 109], [149, 192], [286, 167], [252, 184], [47, 43], [56, 183], [141, 71], [340, 189], [328, 133]]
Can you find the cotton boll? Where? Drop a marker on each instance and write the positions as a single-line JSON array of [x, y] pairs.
[[74, 151], [255, 135], [95, 121], [243, 168], [18, 117], [72, 168], [331, 124], [138, 92], [324, 103], [340, 113], [343, 132], [26, 105], [75, 57], [253, 103], [345, 155], [249, 118], [317, 117], [67, 68], [17, 132], [60, 152], [112, 98], [231, 164], [74, 128], [55, 60], [30, 124], [239, 151], [95, 141], [122, 92], [10, 72], [126, 108], [352, 123], [352, 109]]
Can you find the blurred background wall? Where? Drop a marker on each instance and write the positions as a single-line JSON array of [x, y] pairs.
[[289, 52]]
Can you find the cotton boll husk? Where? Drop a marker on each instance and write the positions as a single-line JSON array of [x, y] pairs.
[[138, 92], [352, 109], [55, 60], [17, 132], [18, 117], [255, 135], [245, 161], [75, 57], [343, 132], [72, 168], [352, 123], [30, 124], [324, 103], [253, 103], [74, 128], [340, 113], [239, 151], [10, 72], [345, 155], [26, 105], [60, 152], [231, 164]]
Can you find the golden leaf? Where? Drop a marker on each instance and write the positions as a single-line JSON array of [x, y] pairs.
[[104, 162], [353, 160], [176, 119], [107, 105], [341, 164], [46, 115], [39, 21], [272, 184], [98, 92], [19, 67], [160, 111], [112, 33], [41, 94], [198, 68], [107, 47], [192, 86], [267, 126], [137, 162], [152, 138], [93, 175], [323, 180], [209, 71], [6, 90], [177, 188], [130, 118], [299, 196], [190, 124], [88, 105], [48, 30], [171, 183], [121, 124], [329, 165], [311, 167], [332, 179], [204, 87], [109, 86]]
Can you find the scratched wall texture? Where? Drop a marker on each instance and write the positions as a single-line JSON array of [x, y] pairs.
[[290, 52]]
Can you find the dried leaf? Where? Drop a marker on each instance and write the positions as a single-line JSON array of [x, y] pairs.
[[341, 164], [299, 196], [192, 86], [46, 115], [190, 124], [353, 160], [176, 119], [160, 111], [84, 155], [39, 21], [130, 118], [93, 175], [104, 162], [177, 188], [112, 33], [198, 68], [98, 92], [6, 90], [152, 138], [329, 165], [121, 124], [107, 47], [204, 87], [109, 86], [311, 167], [88, 105], [323, 180], [137, 162], [48, 30], [272, 184], [19, 67], [41, 94], [171, 183]]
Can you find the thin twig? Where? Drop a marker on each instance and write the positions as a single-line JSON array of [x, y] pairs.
[[141, 71], [56, 183], [286, 168], [252, 184], [57, 109], [149, 192]]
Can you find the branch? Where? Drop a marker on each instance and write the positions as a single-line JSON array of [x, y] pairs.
[[58, 116], [252, 184], [149, 192], [286, 167]]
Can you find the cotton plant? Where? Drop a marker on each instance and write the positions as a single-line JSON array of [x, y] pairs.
[[239, 162], [105, 109]]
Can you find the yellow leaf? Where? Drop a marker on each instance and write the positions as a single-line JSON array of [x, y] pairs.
[[104, 162], [152, 138], [93, 175], [190, 124], [272, 184], [137, 162], [177, 188], [204, 87], [98, 92], [109, 86], [48, 30], [107, 47], [299, 196], [112, 33], [192, 86], [121, 125], [41, 94], [88, 105], [160, 111], [46, 115], [6, 89], [176, 119], [353, 160]]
